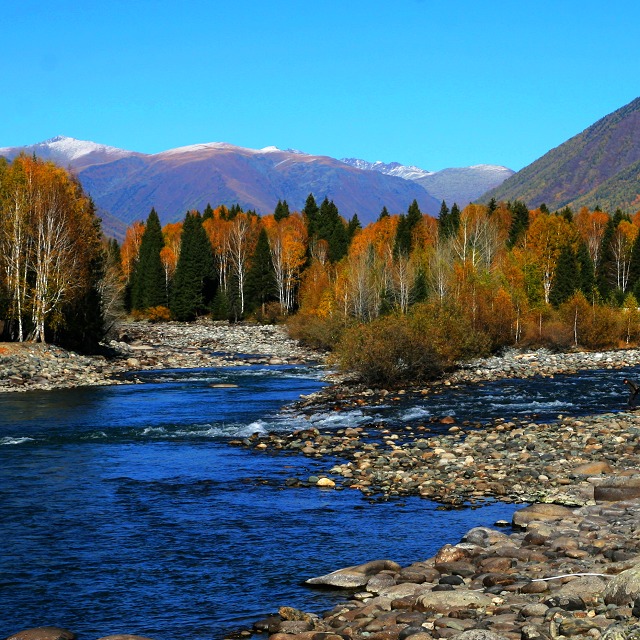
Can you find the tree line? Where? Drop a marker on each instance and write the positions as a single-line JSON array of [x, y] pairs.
[[402, 297]]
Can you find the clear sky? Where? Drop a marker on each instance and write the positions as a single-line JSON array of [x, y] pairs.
[[433, 83]]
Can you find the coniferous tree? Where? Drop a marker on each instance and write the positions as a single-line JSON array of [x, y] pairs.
[[492, 206], [338, 242], [383, 214], [281, 211], [587, 277], [606, 264], [414, 215], [634, 265], [402, 242], [566, 278], [148, 282], [261, 281], [208, 212], [454, 218], [444, 221], [310, 212], [193, 281], [353, 227], [566, 213], [420, 288], [520, 222]]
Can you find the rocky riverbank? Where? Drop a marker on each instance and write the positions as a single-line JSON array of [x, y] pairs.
[[142, 345], [561, 573], [560, 462]]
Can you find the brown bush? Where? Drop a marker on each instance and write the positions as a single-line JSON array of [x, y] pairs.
[[158, 314], [315, 331], [417, 347]]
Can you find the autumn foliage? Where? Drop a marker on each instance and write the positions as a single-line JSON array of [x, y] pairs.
[[52, 258], [408, 295]]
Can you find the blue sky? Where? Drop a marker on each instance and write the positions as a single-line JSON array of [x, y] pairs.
[[433, 83]]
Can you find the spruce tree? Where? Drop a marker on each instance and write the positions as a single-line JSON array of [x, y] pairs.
[[454, 218], [587, 277], [491, 207], [402, 242], [519, 223], [634, 264], [353, 227], [414, 215], [208, 212], [281, 211], [310, 212], [148, 281], [193, 281], [606, 264], [444, 221], [420, 288], [566, 278], [261, 281], [338, 242], [383, 214]]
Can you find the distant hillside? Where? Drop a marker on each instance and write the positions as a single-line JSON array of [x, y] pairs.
[[596, 167], [127, 184], [460, 185]]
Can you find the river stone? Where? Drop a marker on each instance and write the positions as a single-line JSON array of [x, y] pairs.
[[623, 588], [43, 633], [622, 632], [356, 576], [540, 512], [617, 488], [484, 537], [587, 587], [449, 553], [327, 483], [593, 468], [379, 582], [124, 636], [479, 634], [401, 590], [444, 601]]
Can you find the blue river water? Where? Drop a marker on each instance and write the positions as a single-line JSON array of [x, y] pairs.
[[124, 508]]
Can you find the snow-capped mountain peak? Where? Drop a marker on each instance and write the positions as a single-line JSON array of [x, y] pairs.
[[68, 151], [390, 168]]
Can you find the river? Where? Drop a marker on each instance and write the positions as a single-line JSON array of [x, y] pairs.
[[123, 508]]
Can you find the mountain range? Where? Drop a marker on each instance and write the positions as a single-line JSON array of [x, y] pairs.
[[598, 167], [126, 184]]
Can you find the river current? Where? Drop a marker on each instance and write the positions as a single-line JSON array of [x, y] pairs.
[[124, 508]]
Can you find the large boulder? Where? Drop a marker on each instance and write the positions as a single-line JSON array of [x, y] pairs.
[[623, 588], [356, 576], [540, 513], [616, 488], [444, 601], [43, 633]]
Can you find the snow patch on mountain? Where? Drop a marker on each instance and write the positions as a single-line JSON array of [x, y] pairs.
[[461, 185], [390, 168], [67, 151]]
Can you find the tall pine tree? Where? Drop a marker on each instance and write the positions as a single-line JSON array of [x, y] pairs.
[[566, 278], [261, 281], [194, 280], [148, 281], [519, 222]]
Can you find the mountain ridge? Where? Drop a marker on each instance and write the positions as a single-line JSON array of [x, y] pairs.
[[585, 169]]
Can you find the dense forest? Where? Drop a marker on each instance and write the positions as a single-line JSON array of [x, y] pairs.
[[402, 298]]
